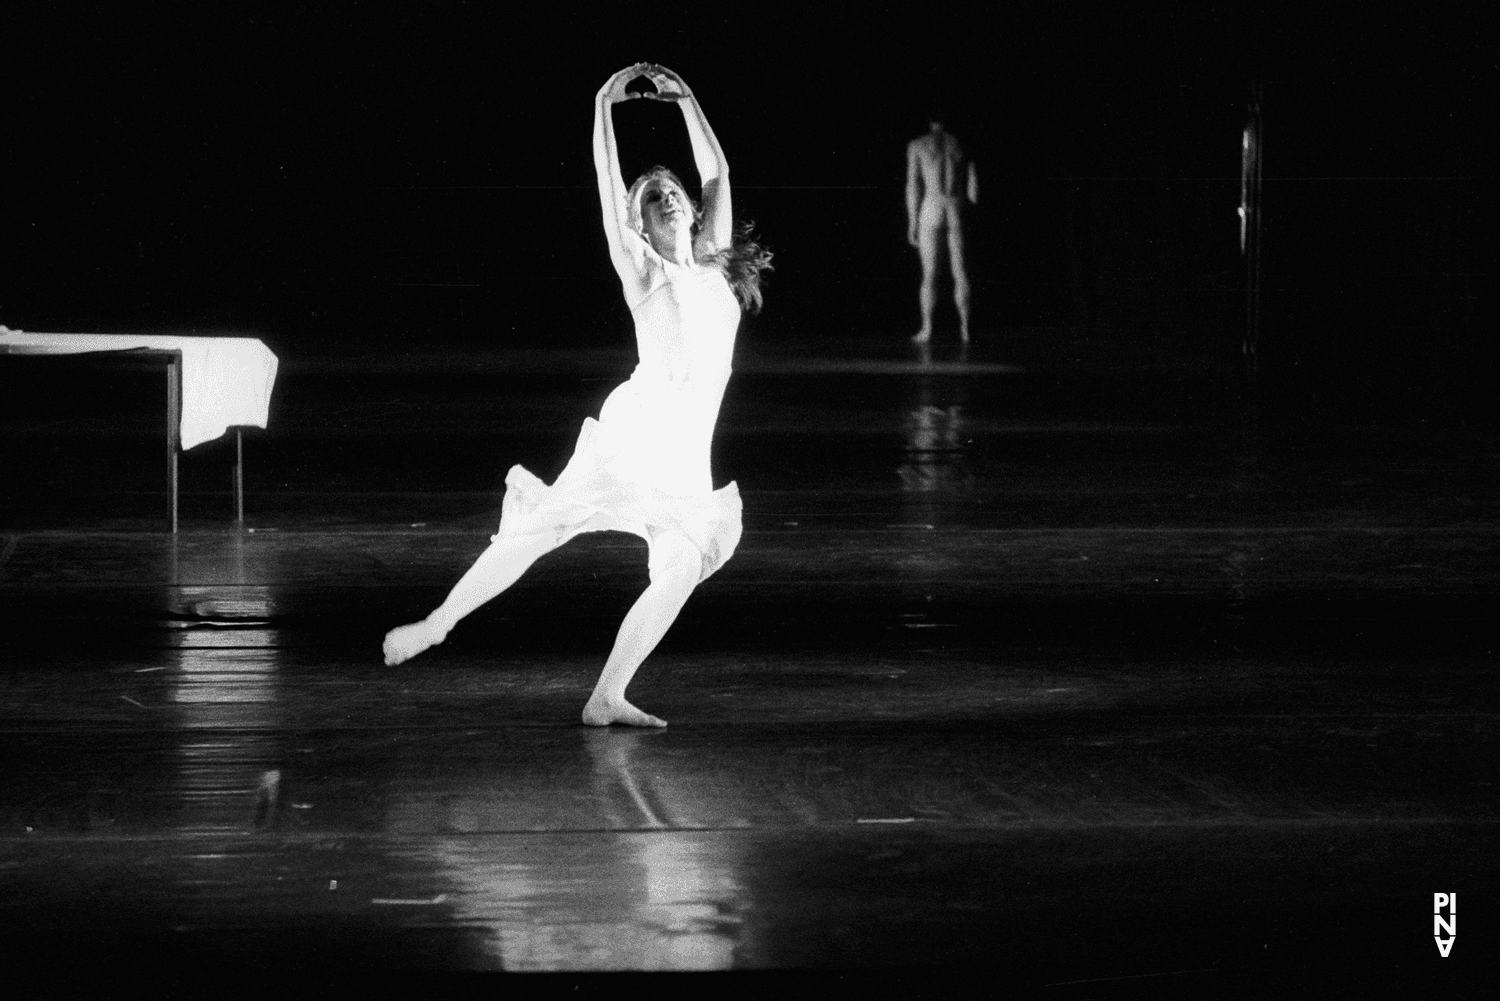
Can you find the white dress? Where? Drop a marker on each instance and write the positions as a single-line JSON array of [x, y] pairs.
[[643, 466]]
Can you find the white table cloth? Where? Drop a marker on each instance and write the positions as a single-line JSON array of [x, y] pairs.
[[226, 381]]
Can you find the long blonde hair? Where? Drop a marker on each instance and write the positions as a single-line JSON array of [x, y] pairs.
[[741, 262]]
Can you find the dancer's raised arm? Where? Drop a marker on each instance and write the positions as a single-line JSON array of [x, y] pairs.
[[626, 249], [717, 229]]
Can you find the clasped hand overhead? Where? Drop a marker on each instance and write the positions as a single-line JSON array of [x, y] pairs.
[[669, 86]]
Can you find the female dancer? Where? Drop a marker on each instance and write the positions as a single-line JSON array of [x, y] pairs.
[[643, 466]]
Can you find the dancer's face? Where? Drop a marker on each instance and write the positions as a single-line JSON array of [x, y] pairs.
[[666, 213]]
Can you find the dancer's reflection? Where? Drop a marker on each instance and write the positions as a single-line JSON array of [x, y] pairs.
[[626, 802], [691, 901], [651, 882], [936, 438], [643, 466], [936, 167]]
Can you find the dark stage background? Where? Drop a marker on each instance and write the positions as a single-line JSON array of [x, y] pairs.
[[396, 178], [1183, 680]]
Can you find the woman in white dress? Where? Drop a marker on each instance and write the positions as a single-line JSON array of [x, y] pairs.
[[643, 466]]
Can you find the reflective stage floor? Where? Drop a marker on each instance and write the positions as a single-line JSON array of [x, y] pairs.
[[1031, 677]]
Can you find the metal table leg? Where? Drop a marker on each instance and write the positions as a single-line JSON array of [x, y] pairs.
[[239, 477], [174, 436]]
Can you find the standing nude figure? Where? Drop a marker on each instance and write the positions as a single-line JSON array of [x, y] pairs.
[[935, 162]]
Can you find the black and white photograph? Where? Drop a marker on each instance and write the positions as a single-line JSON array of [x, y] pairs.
[[917, 500]]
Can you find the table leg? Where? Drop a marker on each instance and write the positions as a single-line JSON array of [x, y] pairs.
[[239, 477], [174, 430]]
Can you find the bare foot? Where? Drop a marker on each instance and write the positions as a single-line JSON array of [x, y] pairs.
[[604, 713], [922, 336], [963, 334], [405, 642]]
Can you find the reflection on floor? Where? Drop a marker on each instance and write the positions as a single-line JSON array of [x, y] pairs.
[[1011, 676]]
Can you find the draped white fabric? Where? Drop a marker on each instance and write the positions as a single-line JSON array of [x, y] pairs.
[[226, 381]]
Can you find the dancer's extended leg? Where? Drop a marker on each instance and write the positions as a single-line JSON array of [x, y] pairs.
[[497, 568], [679, 565]]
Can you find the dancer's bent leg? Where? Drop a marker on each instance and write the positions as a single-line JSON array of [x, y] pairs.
[[497, 568], [679, 567]]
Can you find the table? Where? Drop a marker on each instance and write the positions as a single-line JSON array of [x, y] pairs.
[[213, 384]]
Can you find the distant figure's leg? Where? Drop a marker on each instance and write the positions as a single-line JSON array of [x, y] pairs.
[[677, 570], [927, 247], [497, 568], [960, 271]]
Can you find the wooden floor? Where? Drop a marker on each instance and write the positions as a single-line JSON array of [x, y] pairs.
[[1063, 681]]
